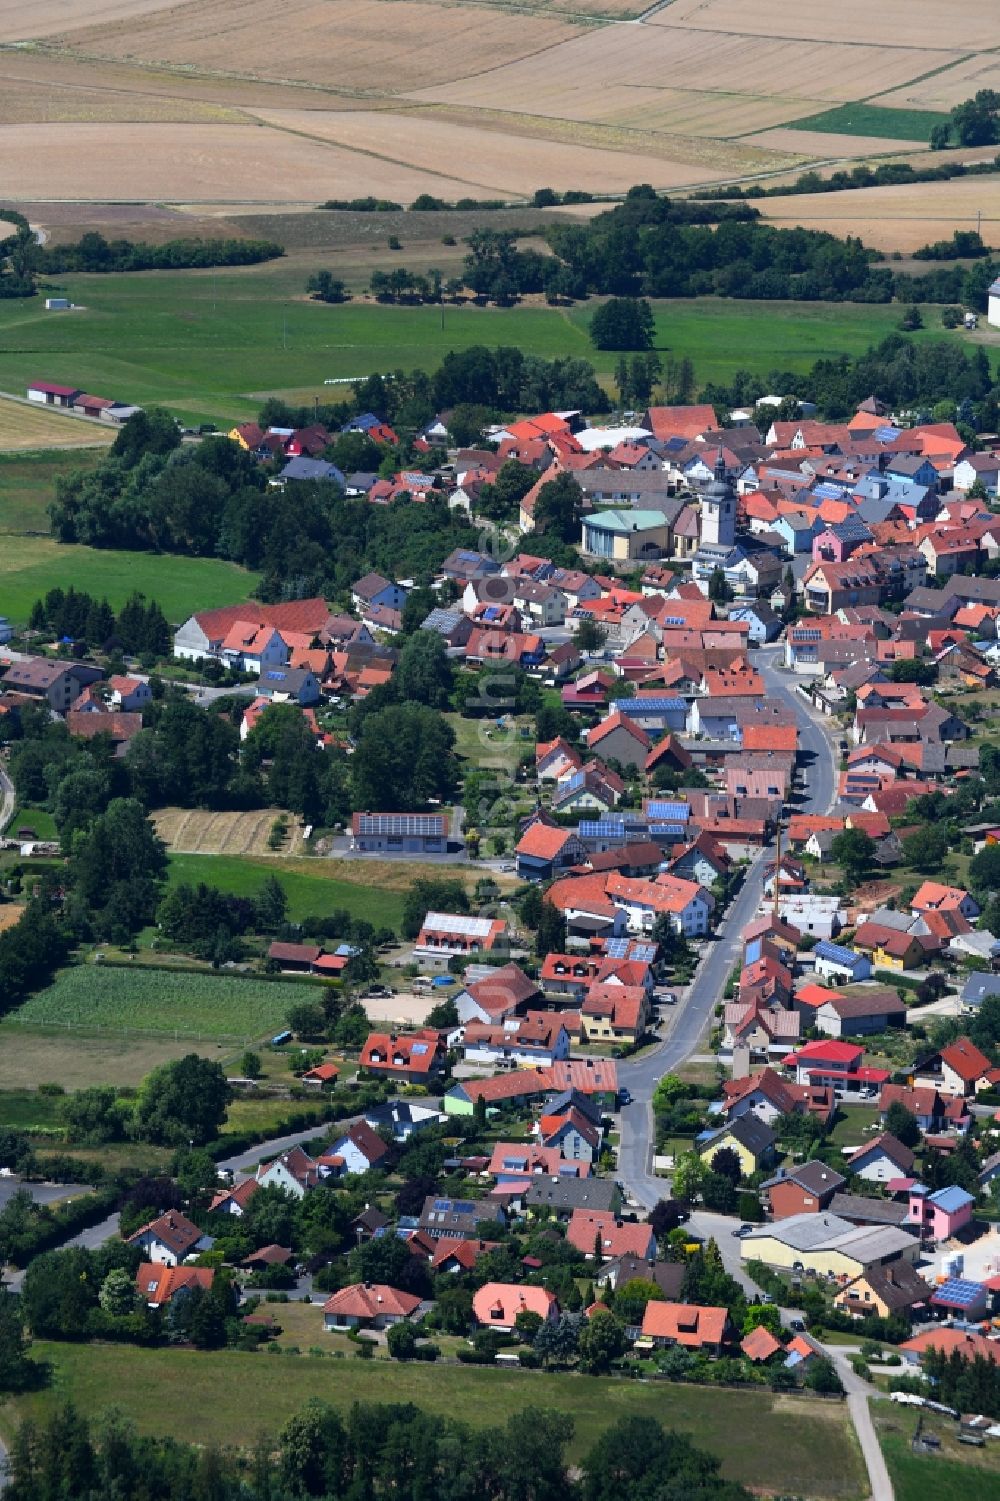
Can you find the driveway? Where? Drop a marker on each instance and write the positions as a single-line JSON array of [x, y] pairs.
[[858, 1391]]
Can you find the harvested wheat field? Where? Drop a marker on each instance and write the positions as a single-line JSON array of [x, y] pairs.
[[30, 102], [380, 46], [944, 90], [424, 139], [24, 426], [939, 24], [20, 21], [191, 831], [10, 915], [238, 163], [820, 145], [596, 73], [894, 218]]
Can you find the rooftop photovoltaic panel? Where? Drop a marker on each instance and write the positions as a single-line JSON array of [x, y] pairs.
[[959, 1292], [451, 922], [885, 434], [643, 953], [672, 812], [403, 823], [654, 705], [601, 828]]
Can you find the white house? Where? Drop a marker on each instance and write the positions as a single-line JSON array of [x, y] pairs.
[[129, 694], [170, 1239], [882, 1159], [993, 306]]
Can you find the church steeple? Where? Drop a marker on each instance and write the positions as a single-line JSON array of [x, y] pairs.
[[718, 508]]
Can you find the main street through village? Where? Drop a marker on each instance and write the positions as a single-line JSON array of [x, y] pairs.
[[692, 1016]]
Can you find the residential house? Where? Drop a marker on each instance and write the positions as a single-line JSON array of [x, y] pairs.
[[560, 1197], [941, 1214], [881, 1159], [625, 536], [853, 1016], [600, 1235], [373, 592], [957, 1069], [805, 1188], [619, 738], [368, 1305], [411, 1057], [573, 1134], [704, 1330], [749, 1138], [834, 962], [169, 1239], [544, 850], [49, 680], [294, 1171], [448, 933], [496, 1305], [458, 1219], [130, 694], [538, 1038], [357, 1150], [883, 1291], [499, 993], [158, 1284]]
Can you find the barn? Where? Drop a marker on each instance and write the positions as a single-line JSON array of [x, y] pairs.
[[46, 394]]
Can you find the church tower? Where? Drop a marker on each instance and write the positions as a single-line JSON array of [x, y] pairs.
[[718, 509]]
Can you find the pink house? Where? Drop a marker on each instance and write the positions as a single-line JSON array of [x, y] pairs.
[[839, 540], [940, 1215]]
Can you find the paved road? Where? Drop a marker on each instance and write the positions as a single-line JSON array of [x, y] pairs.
[[8, 799], [858, 1391], [691, 1017]]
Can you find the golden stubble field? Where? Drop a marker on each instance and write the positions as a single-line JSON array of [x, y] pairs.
[[903, 217], [226, 103], [24, 427]]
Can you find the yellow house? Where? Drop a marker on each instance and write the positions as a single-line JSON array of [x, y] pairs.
[[883, 1290], [751, 1139]]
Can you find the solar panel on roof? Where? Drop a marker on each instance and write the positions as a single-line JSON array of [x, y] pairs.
[[442, 1205], [643, 953], [959, 1292], [885, 434], [418, 1049], [616, 948], [602, 828], [652, 705], [675, 812]]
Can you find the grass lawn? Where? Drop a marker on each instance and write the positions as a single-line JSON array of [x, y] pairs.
[[849, 1130], [30, 566], [38, 819], [28, 483], [247, 1114], [873, 120], [61, 1056], [25, 1109], [209, 345], [786, 1444], [314, 887], [206, 1007], [957, 1472]]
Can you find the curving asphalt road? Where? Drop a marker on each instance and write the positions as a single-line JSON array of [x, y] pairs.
[[691, 1018]]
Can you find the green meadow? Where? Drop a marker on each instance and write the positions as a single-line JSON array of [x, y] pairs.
[[211, 345], [873, 120]]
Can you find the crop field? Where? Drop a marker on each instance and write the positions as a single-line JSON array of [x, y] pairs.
[[942, 25], [194, 832], [949, 87], [31, 566], [218, 115], [902, 217], [372, 45], [786, 1445], [207, 1007], [76, 1060], [821, 145], [24, 426], [875, 120]]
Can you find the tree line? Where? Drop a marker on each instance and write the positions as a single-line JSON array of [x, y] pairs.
[[92, 252], [885, 174], [139, 627], [391, 1450]]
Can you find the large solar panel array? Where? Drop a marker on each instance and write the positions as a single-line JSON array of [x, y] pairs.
[[451, 922], [402, 823], [651, 705]]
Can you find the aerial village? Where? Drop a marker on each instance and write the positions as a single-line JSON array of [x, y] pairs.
[[710, 1067]]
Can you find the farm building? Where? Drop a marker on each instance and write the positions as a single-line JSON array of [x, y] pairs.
[[48, 395], [400, 833]]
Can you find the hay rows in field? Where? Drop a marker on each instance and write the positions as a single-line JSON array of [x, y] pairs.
[[160, 1001]]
